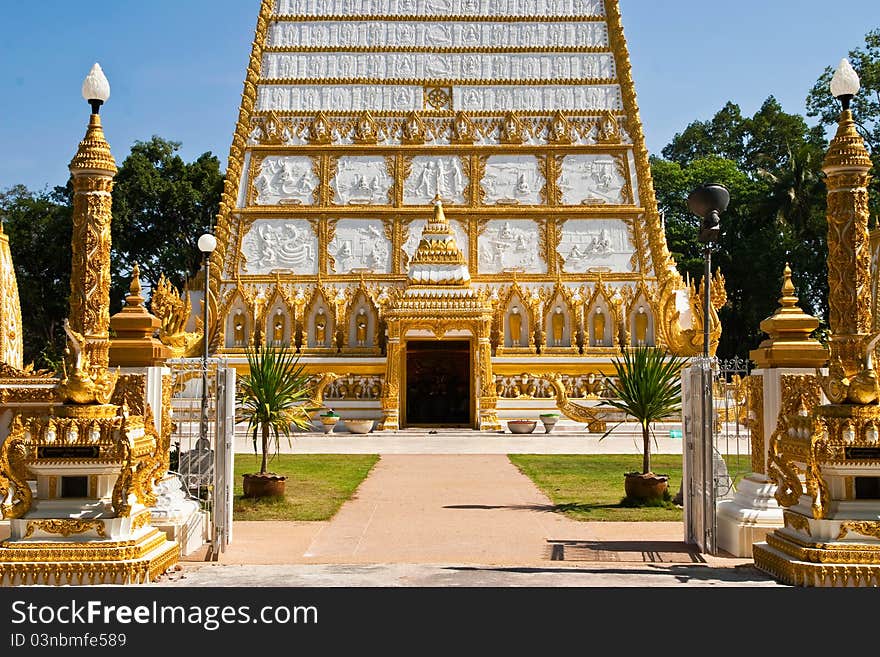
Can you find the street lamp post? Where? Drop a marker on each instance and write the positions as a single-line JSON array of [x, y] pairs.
[[708, 202], [207, 244]]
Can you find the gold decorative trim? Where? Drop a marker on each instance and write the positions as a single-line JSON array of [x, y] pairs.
[[65, 527]]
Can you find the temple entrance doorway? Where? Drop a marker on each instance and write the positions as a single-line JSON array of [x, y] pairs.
[[438, 384]]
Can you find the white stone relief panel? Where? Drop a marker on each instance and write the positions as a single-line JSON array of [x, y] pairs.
[[341, 98], [360, 244], [272, 244], [415, 236], [511, 245], [587, 243], [285, 181], [441, 176], [513, 180], [362, 181], [420, 66], [542, 98], [592, 180], [440, 7], [434, 34]]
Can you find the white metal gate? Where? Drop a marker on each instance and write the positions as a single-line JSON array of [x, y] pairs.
[[714, 410], [203, 434]]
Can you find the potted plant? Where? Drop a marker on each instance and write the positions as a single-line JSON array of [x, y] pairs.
[[648, 389], [329, 420], [272, 398], [549, 420]]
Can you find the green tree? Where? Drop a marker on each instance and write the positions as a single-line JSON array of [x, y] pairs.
[[39, 225], [771, 163], [865, 107], [161, 205]]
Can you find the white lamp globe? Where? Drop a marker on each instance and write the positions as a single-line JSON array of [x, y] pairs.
[[845, 81], [207, 243], [96, 86]]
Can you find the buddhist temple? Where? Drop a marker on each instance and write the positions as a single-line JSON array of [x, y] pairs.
[[446, 207]]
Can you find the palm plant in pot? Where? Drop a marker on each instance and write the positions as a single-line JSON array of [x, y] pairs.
[[273, 398], [648, 389]]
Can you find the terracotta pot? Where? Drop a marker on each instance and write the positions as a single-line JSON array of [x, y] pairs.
[[267, 485], [645, 486]]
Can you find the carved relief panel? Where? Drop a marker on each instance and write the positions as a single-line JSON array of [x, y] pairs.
[[546, 98], [362, 181], [286, 181], [414, 235], [433, 176], [288, 245], [360, 244], [439, 8], [588, 243], [593, 180], [513, 245], [513, 180]]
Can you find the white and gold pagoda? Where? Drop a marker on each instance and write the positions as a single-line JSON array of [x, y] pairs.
[[521, 117]]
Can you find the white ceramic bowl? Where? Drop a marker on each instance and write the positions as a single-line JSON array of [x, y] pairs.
[[522, 426], [359, 426]]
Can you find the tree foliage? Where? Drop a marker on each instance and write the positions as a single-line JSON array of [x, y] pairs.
[[39, 225], [771, 163], [161, 205]]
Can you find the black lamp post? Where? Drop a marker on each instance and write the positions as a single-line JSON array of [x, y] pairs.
[[207, 244], [708, 202]]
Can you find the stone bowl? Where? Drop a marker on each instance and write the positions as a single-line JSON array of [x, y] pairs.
[[522, 426], [359, 426]]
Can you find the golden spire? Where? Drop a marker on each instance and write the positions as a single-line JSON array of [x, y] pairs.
[[438, 260], [789, 328], [94, 151], [133, 327]]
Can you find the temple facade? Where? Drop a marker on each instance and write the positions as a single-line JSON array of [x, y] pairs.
[[446, 207]]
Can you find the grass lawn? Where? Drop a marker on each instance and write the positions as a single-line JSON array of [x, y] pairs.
[[317, 485], [590, 486]]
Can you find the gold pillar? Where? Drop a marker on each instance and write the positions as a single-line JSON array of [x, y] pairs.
[[488, 393], [827, 540], [93, 169], [847, 167]]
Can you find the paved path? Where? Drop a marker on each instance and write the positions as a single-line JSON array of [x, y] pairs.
[[459, 520]]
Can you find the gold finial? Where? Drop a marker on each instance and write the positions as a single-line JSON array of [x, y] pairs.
[[789, 297], [94, 151], [134, 297], [135, 287]]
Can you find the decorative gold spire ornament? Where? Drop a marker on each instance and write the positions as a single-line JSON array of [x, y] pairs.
[[789, 329], [825, 461]]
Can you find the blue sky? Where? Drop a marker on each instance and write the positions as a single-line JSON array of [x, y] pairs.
[[176, 68]]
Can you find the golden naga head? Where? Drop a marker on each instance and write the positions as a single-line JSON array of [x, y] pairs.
[[79, 384]]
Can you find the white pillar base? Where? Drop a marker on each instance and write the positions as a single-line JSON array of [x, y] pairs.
[[178, 516], [749, 516]]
